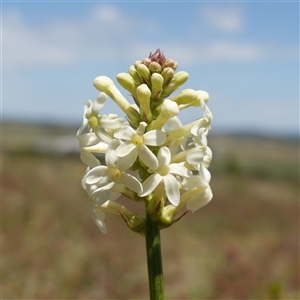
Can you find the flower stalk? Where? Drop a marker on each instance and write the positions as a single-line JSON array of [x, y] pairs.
[[154, 259]]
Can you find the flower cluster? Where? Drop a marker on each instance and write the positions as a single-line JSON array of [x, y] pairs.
[[150, 157]]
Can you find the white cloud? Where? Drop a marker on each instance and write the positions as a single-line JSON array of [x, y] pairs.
[[110, 34], [63, 42], [227, 18]]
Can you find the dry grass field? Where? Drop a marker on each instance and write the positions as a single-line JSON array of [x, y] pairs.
[[243, 245]]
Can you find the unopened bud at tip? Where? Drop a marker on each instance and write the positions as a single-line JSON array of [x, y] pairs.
[[103, 83], [169, 109], [203, 96]]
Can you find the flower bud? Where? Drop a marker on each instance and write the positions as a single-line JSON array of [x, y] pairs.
[[202, 98], [143, 93], [187, 96], [168, 110], [137, 63], [177, 80], [167, 216], [170, 63], [134, 74], [158, 57], [128, 83], [203, 95], [167, 74], [143, 96], [155, 67], [146, 61], [143, 72], [106, 85], [157, 82], [135, 222]]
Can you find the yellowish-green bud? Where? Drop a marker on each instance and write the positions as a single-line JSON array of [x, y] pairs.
[[156, 204], [137, 63], [143, 72], [169, 109], [170, 63], [157, 82], [167, 217], [106, 85], [186, 96], [203, 95], [177, 80], [143, 93], [147, 61], [143, 96], [180, 78], [167, 74], [135, 222], [155, 67], [127, 82], [134, 74]]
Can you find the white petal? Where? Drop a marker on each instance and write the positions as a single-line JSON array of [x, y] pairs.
[[99, 103], [111, 155], [147, 157], [83, 180], [88, 139], [87, 110], [88, 158], [131, 182], [207, 114], [164, 156], [172, 189], [150, 184], [125, 148], [195, 156], [94, 175], [109, 123], [102, 195], [124, 133], [199, 200], [98, 148], [80, 130], [194, 129], [125, 162], [204, 173], [179, 169], [174, 145], [105, 138], [98, 216], [195, 181], [141, 129], [173, 123], [154, 138]]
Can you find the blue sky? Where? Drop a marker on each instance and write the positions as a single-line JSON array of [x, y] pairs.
[[244, 54]]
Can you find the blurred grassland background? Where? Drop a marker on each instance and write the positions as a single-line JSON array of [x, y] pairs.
[[243, 245]]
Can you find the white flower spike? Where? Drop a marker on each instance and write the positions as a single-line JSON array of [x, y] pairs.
[[153, 158]]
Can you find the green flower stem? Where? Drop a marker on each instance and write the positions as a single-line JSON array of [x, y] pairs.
[[154, 259]]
